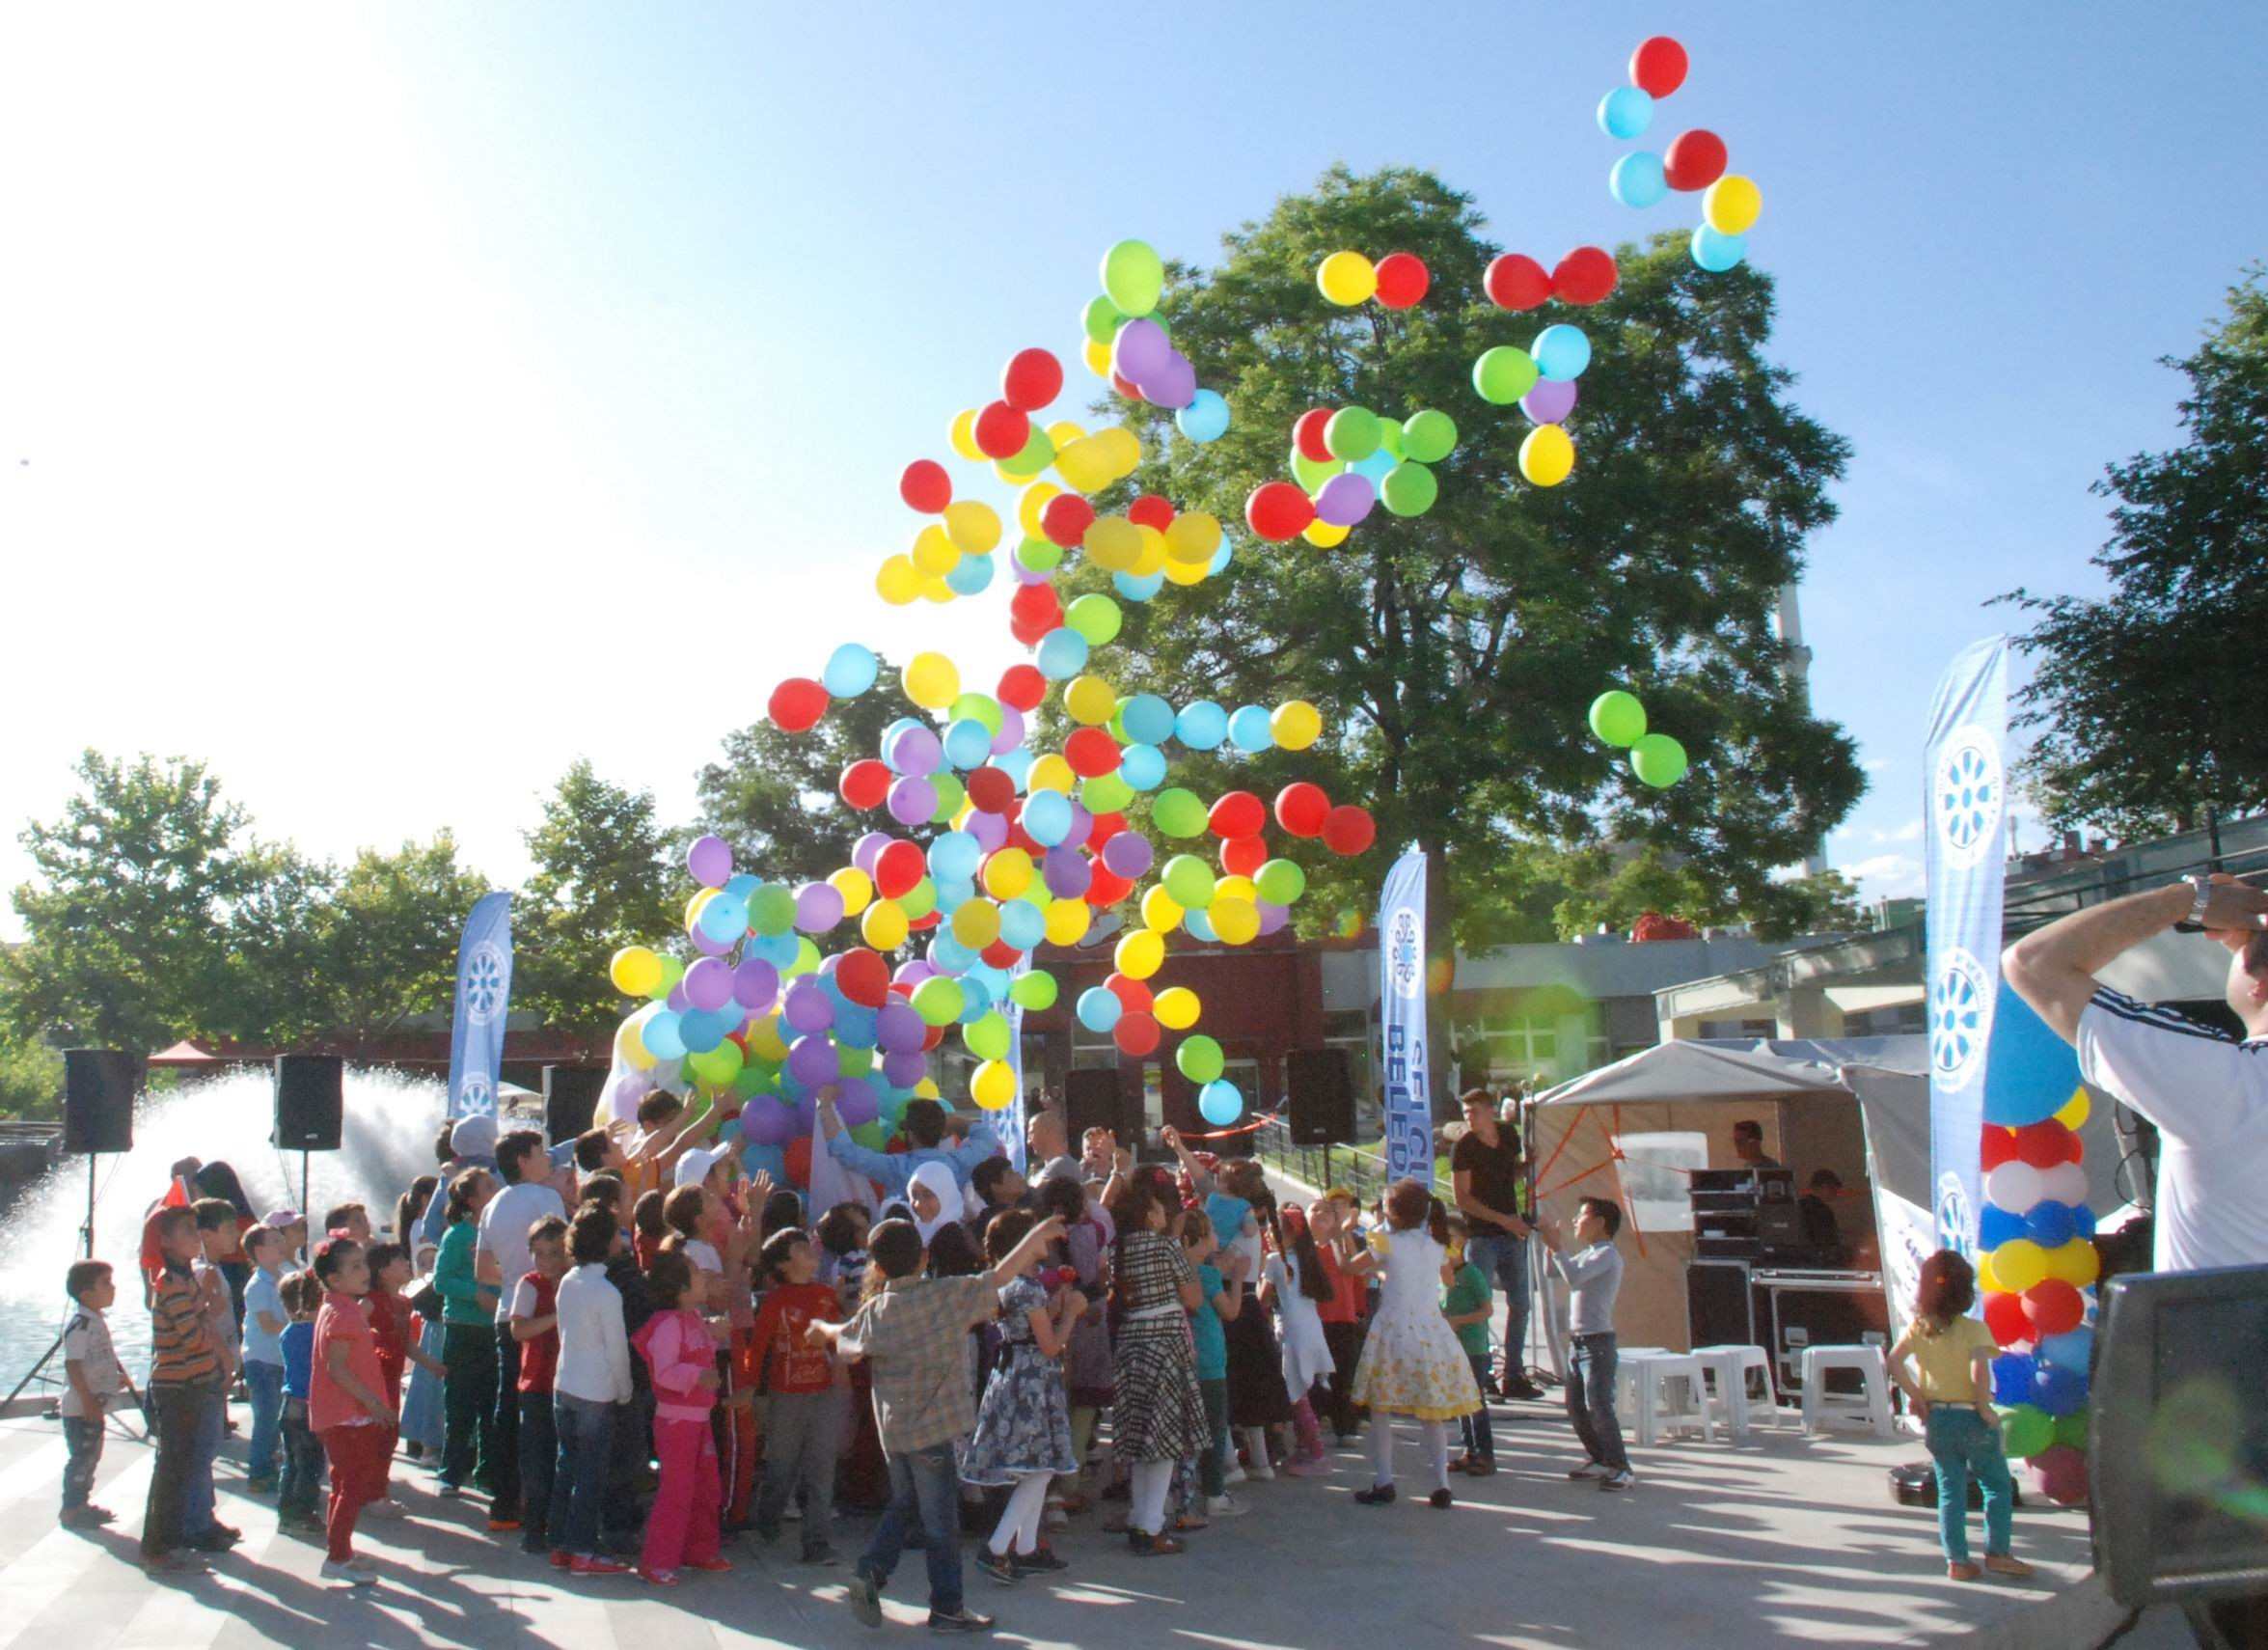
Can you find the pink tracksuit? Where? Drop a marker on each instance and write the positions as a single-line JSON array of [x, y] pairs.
[[683, 1525]]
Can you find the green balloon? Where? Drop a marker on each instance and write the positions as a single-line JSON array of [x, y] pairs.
[[673, 971], [1036, 454], [1133, 275], [1104, 793], [771, 909], [1034, 990], [1102, 318], [2026, 1430], [853, 1062], [1659, 761], [807, 959], [919, 901], [1280, 882], [716, 1068], [1199, 1059], [1390, 438], [874, 1137], [1618, 718], [1312, 472], [2071, 1429], [987, 1035], [1095, 617], [1188, 881], [937, 1000], [1352, 434], [1503, 374], [1409, 489], [950, 794], [1178, 812], [977, 707], [1428, 436], [1039, 556]]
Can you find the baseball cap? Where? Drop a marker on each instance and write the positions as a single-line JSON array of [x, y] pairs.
[[278, 1219], [474, 1136], [694, 1167]]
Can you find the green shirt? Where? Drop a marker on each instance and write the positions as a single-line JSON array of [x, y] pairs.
[[1206, 1328], [453, 1276], [1468, 1292]]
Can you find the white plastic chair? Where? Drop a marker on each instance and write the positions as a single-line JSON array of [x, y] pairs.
[[1729, 1369], [1651, 1378], [1872, 1405]]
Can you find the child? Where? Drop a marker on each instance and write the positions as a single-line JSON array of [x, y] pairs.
[[684, 1526], [914, 1332], [1086, 1359], [1950, 1384], [346, 1405], [842, 1249], [1466, 1304], [803, 1426], [217, 1239], [1340, 1310], [864, 1481], [1296, 1286], [1594, 1275], [1024, 1424], [1413, 1364], [621, 1514], [1219, 1301], [394, 1327], [265, 1320], [185, 1386], [590, 1387], [94, 1375], [468, 1448], [536, 1326], [303, 1454], [652, 1227], [422, 1399], [1158, 1418]]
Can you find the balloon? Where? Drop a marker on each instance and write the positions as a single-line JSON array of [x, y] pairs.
[[2070, 1350], [1193, 537], [2077, 1263], [1235, 922], [850, 670], [796, 704], [2050, 1225], [2004, 1316], [1220, 1102], [1626, 112], [1410, 490], [931, 680], [1138, 955], [1301, 808], [1584, 276], [1201, 725], [1062, 653], [1546, 456], [1101, 319], [2053, 1307], [710, 860], [1187, 882], [1550, 401], [2019, 1265], [975, 528], [1657, 66], [1001, 431], [1148, 719], [2063, 1475], [883, 925], [2059, 1390], [925, 486], [1637, 179], [1717, 253], [1135, 1033], [1140, 350], [1346, 278], [2045, 1144], [1047, 817], [1199, 1059], [2015, 1186], [1205, 418], [1560, 351], [1428, 437], [1277, 511], [1133, 277], [1694, 160], [2012, 1378], [1732, 204], [1295, 726], [1516, 281], [1176, 1009], [1617, 718], [1995, 1227], [1657, 760], [1067, 921], [1402, 280], [635, 971], [1345, 499], [1098, 1010], [1248, 729], [1031, 380], [1352, 433], [1349, 830], [1281, 882], [898, 582], [2025, 1430], [1503, 374]]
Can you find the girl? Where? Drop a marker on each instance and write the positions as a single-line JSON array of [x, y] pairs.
[[1340, 1308], [1086, 1359], [219, 1180], [346, 1404], [421, 1404], [842, 1250], [1221, 1302], [1158, 1418], [1295, 1285], [468, 1316], [303, 1452], [652, 1227], [1951, 1387], [1024, 1423], [393, 1323], [684, 1526], [1412, 1363], [1257, 1401]]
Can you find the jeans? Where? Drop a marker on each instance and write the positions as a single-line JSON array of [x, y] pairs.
[[1503, 1259], [265, 1383], [82, 1438], [198, 1517], [303, 1463], [803, 1436], [539, 1447], [468, 1439], [504, 1499], [1590, 1399], [925, 1489], [1213, 1465], [621, 1517], [180, 1406], [1480, 1436], [586, 1432], [1960, 1444]]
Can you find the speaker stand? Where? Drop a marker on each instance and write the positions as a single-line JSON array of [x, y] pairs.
[[86, 1252], [303, 1211]]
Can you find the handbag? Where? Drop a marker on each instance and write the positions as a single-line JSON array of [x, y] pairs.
[[425, 1301]]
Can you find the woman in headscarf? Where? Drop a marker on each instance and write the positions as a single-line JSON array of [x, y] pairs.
[[933, 1195]]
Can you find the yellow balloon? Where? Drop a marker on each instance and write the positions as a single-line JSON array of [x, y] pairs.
[[1159, 914], [1150, 557], [855, 885], [1187, 572], [631, 1046], [1236, 921], [992, 1084], [1063, 432], [2076, 1111], [1732, 203], [1139, 954], [635, 971], [934, 552], [1546, 457], [1324, 535], [1988, 1280], [1295, 724], [1113, 543], [1051, 773], [2018, 1264], [899, 582], [1090, 699], [1176, 1007], [962, 435], [2075, 1262], [1096, 356], [926, 1090], [1084, 467], [1235, 887], [1121, 449], [764, 1040], [1346, 278], [932, 681], [934, 589], [977, 923], [1067, 921], [1028, 506], [1193, 536], [885, 925], [695, 905], [1006, 873], [973, 526]]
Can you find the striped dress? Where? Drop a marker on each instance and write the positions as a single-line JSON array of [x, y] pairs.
[[1157, 1413]]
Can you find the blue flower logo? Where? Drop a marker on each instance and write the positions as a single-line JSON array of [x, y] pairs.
[[488, 981], [1961, 1018], [1966, 797]]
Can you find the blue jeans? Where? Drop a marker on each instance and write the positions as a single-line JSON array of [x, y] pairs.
[[924, 1488], [539, 1461], [579, 1480], [1960, 1444], [1503, 1259], [302, 1485], [198, 1517], [1590, 1399], [265, 1383], [1480, 1437], [82, 1436]]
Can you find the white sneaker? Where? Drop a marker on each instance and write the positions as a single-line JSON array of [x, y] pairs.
[[335, 1571], [1235, 1474], [1261, 1472], [1622, 1480], [361, 1565], [1056, 1518], [1222, 1506], [1588, 1469]]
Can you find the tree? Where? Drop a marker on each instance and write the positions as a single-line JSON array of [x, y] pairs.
[[604, 879], [1612, 892], [2148, 725], [388, 937], [1455, 655]]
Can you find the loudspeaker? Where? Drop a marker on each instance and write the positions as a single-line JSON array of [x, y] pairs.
[[1320, 1097], [311, 1101], [1095, 1098], [1719, 1309], [570, 1099], [98, 1087]]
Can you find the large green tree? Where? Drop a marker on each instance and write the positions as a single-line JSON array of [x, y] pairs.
[[1455, 655], [604, 878], [388, 937], [2145, 720]]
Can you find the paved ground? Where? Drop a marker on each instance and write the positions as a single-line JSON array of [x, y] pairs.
[[1780, 1541]]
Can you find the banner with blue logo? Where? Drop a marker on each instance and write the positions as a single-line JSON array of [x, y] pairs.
[[484, 998], [1401, 1020]]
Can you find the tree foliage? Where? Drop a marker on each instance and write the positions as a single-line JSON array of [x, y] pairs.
[[603, 879]]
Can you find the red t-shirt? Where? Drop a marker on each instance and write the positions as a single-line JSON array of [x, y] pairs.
[[789, 1365], [1345, 1306], [390, 1328], [538, 1297]]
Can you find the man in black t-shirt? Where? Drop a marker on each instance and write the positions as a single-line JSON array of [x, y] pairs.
[[1490, 1178]]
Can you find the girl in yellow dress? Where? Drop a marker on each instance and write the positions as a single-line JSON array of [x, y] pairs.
[[1413, 1364]]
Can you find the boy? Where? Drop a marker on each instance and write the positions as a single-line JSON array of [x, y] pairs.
[[915, 1334], [999, 1187], [536, 1326], [217, 1241], [590, 1383], [303, 1452], [95, 1375], [1593, 1274], [1466, 1304], [803, 1427], [500, 1260], [184, 1389], [265, 1322], [925, 1123]]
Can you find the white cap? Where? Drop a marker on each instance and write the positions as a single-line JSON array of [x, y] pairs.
[[474, 1136], [694, 1167]]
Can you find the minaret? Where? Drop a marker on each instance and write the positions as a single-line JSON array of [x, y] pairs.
[[1788, 623]]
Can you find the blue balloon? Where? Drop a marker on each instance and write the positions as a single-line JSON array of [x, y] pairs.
[[1561, 352], [1198, 925], [953, 891], [2070, 1350], [1023, 924], [769, 1160], [701, 1029], [1626, 112], [1248, 729], [1062, 654], [2033, 1070], [2050, 1225], [777, 949], [2012, 1378], [1015, 763], [1996, 1226], [948, 956], [1220, 559], [955, 855], [1142, 766], [855, 1024], [2059, 1391], [725, 918], [1047, 817], [1098, 1010], [1201, 725], [970, 575], [2083, 1220], [728, 1129], [967, 743], [1378, 466], [1205, 418], [1147, 719], [660, 1036], [1219, 1103], [1716, 252], [1138, 587], [850, 670], [1638, 179], [741, 884]]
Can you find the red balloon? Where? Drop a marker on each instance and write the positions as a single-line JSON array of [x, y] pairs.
[[1237, 813], [1242, 856], [1301, 808], [931, 1038], [1133, 993], [1307, 435], [1104, 827], [1150, 510], [1136, 1035], [1036, 605], [1694, 159], [1278, 511], [799, 1159], [2045, 1144], [1031, 380], [2005, 1316], [990, 789], [1020, 838], [925, 486], [1657, 67], [862, 977], [796, 704], [1125, 386], [1584, 276], [999, 954], [865, 784], [1995, 1146], [1091, 752], [898, 869], [1348, 830], [923, 924], [1001, 431], [1023, 687], [1402, 280], [1107, 888], [1065, 519], [1516, 282], [2062, 1471], [2053, 1307]]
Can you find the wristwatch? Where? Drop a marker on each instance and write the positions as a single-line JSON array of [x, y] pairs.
[[2201, 892]]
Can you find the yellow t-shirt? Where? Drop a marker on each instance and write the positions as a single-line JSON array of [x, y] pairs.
[[1943, 1359]]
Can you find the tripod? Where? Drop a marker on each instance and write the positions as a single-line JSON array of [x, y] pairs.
[[86, 1252]]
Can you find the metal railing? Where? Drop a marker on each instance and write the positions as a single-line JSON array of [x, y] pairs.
[[1361, 1170], [2038, 904]]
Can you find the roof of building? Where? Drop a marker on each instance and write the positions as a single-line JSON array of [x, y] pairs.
[[1620, 967]]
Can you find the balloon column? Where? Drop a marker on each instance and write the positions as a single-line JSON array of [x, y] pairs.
[[1694, 161]]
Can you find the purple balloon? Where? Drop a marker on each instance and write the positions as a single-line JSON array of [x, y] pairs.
[[1067, 873], [807, 1007], [707, 984], [1082, 826], [1129, 854], [911, 800], [897, 1029], [710, 860], [1011, 733], [1173, 386], [818, 907], [1140, 350], [990, 831], [755, 985], [915, 751], [910, 973], [811, 1060], [1550, 401], [1273, 917], [677, 1003], [868, 848], [857, 1103], [904, 1070], [768, 1121], [707, 945], [1345, 499]]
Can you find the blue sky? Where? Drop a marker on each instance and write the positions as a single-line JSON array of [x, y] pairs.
[[547, 368]]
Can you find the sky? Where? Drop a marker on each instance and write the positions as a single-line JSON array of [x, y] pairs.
[[399, 403]]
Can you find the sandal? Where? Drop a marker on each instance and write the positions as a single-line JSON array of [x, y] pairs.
[[1148, 1546], [1189, 1521]]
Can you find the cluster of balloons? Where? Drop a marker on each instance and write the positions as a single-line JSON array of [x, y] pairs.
[[798, 702], [2037, 1270], [1130, 346], [1398, 281], [1542, 377], [1694, 161], [1618, 719], [1349, 461]]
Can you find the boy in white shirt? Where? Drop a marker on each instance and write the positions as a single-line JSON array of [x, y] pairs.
[[95, 1376]]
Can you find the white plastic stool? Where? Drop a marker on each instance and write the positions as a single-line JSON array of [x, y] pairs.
[[1729, 1369], [1650, 1374], [1818, 1403]]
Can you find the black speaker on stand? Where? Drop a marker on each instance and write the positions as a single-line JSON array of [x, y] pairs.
[[1094, 1097], [1319, 1097], [570, 1099], [98, 1089], [310, 1107]]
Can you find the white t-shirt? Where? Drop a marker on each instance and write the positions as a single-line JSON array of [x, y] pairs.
[[86, 1343], [704, 1256], [2208, 1095], [504, 1233]]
